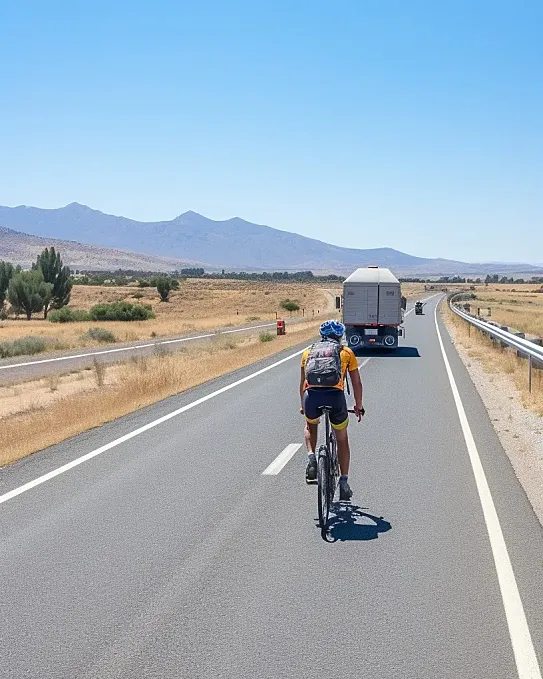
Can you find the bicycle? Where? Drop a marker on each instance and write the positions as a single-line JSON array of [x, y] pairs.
[[327, 470]]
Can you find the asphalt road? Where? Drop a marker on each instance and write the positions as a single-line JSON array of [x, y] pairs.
[[25, 368], [170, 554]]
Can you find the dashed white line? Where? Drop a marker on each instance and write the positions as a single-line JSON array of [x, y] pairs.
[[281, 460], [108, 446], [521, 640]]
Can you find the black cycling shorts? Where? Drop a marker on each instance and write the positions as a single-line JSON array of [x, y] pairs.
[[316, 397]]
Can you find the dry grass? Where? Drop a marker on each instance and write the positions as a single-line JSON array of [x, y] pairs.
[[78, 403], [198, 305], [496, 359], [518, 308], [413, 291]]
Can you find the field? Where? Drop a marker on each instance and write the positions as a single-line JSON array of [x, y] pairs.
[[414, 291], [44, 412], [197, 305], [495, 359], [517, 307]]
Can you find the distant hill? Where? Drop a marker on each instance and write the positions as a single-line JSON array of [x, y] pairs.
[[20, 248], [232, 244]]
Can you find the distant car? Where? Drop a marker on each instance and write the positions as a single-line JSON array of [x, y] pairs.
[[418, 308]]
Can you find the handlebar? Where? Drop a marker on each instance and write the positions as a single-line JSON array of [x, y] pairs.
[[362, 411]]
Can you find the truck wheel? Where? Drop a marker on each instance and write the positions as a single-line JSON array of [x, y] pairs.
[[354, 341]]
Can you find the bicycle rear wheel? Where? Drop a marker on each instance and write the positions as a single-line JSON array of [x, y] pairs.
[[323, 494], [333, 470]]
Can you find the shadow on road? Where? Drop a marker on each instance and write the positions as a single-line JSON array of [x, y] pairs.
[[400, 352], [345, 524]]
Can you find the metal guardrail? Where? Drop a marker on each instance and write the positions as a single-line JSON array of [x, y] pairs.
[[525, 348]]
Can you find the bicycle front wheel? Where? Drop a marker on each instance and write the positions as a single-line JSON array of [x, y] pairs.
[[323, 494]]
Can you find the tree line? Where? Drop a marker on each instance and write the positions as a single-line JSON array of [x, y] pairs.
[[48, 285], [146, 278], [490, 278]]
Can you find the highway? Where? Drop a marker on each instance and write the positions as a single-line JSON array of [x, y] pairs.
[[155, 546], [13, 370]]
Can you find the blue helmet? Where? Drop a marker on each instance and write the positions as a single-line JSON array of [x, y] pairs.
[[332, 329]]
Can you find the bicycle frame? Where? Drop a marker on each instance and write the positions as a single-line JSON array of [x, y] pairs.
[[327, 472]]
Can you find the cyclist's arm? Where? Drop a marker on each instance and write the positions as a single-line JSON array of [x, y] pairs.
[[356, 381]]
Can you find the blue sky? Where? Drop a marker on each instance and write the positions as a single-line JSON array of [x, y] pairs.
[[411, 124]]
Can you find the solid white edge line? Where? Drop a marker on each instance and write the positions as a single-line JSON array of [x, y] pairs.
[[281, 460], [133, 348], [521, 640], [108, 446]]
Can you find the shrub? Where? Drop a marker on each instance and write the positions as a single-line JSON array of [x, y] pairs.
[[53, 382], [289, 305], [99, 372], [164, 286], [29, 293], [67, 315], [253, 318], [99, 335], [138, 295], [266, 337], [222, 343], [25, 346], [121, 311], [161, 351]]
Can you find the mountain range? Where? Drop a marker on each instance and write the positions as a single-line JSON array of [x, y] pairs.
[[232, 244], [21, 248]]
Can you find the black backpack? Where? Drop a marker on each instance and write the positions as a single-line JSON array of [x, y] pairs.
[[323, 365]]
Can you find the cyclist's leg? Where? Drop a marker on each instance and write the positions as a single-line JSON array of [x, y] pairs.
[[310, 436], [312, 402], [343, 450], [311, 412], [339, 418]]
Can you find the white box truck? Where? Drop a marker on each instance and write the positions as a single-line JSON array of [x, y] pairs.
[[373, 309]]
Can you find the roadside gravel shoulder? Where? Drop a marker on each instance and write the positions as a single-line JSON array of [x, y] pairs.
[[520, 430]]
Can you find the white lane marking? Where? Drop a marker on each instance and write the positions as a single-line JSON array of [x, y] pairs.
[[135, 348], [364, 362], [523, 648], [280, 461], [74, 463]]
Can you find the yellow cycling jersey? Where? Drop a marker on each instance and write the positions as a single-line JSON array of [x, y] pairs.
[[348, 363]]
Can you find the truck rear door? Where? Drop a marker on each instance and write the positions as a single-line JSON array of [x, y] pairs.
[[360, 304], [390, 304]]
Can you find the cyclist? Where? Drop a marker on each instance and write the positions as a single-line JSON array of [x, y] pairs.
[[314, 397]]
